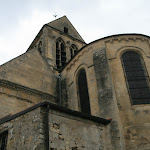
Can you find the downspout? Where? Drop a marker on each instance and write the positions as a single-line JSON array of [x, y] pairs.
[[46, 120], [59, 87]]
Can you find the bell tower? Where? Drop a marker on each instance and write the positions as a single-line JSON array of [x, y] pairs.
[[58, 42]]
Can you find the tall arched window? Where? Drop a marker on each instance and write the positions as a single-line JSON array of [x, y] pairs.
[[83, 92], [136, 77], [73, 50], [60, 53]]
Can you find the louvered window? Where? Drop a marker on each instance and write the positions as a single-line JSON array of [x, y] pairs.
[[60, 53]]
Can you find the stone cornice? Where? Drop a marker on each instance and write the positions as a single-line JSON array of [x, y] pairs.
[[50, 106], [19, 87], [119, 37], [75, 59], [127, 38]]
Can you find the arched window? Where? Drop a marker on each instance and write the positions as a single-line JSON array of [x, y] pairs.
[[73, 50], [40, 47], [60, 53], [136, 77], [83, 92]]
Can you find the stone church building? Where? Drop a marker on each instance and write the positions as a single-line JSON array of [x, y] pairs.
[[64, 94]]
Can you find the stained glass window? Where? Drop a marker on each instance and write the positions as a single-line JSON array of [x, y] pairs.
[[136, 77]]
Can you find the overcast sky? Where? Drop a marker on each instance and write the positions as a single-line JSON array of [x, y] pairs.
[[20, 20]]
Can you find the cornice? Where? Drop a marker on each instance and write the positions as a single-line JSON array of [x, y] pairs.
[[111, 38], [50, 106], [127, 38], [28, 90]]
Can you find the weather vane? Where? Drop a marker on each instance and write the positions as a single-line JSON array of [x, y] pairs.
[[55, 15]]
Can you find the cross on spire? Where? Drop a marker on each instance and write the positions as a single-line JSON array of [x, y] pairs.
[[55, 15]]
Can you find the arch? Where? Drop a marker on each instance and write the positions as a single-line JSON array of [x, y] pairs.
[[81, 66], [123, 49], [83, 92], [60, 53], [73, 50], [136, 77]]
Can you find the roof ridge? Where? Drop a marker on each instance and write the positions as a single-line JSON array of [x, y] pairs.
[[57, 19]]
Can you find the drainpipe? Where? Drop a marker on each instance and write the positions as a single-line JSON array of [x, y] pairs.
[[59, 82], [60, 89]]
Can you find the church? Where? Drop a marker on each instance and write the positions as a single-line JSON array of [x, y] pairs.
[[65, 94]]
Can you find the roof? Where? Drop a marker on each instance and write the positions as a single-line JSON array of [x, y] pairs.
[[62, 22], [59, 25], [51, 106], [105, 39]]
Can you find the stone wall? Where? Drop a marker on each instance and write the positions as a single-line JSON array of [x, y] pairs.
[[15, 98], [32, 71], [48, 126], [25, 132], [67, 132], [106, 98], [108, 92], [134, 118], [83, 60], [25, 81]]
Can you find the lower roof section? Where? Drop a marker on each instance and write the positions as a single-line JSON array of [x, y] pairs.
[[51, 106]]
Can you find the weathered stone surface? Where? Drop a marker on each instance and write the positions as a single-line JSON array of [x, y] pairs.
[[25, 132], [108, 107], [19, 98], [72, 133], [64, 96], [134, 118], [43, 128], [30, 70]]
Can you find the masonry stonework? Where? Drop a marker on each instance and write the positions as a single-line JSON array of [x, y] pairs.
[[51, 127], [67, 133], [25, 132]]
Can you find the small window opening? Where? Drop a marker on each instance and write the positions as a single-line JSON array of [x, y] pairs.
[[40, 47], [73, 50], [3, 140], [66, 30]]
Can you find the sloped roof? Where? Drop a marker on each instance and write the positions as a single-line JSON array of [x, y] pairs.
[[62, 22], [57, 108]]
